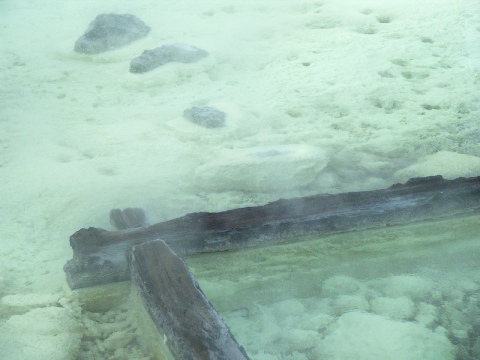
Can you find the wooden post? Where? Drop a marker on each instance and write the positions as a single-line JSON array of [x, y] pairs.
[[191, 327]]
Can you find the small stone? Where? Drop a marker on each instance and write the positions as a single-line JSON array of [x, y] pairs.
[[110, 32], [298, 340], [151, 59], [413, 287], [205, 116], [110, 328], [460, 334], [346, 303], [288, 307], [401, 308], [426, 315], [118, 340], [316, 322]]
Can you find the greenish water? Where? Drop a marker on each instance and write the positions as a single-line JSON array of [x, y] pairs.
[[332, 298]]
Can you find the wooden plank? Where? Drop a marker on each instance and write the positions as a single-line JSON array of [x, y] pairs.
[[100, 256], [191, 327]]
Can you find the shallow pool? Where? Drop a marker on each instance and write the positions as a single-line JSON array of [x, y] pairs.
[[409, 292]]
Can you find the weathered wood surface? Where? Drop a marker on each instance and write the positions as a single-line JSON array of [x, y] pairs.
[[181, 312], [100, 256]]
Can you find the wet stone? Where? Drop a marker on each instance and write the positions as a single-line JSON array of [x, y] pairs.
[[205, 116], [110, 32], [151, 59]]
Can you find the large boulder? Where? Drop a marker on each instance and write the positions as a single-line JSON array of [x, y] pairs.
[[151, 59], [262, 169], [110, 32]]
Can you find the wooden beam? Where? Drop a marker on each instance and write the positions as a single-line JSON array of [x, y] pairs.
[[191, 327], [100, 256]]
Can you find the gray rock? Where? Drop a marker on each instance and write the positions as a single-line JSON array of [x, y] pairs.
[[151, 59], [205, 116], [129, 218], [110, 32]]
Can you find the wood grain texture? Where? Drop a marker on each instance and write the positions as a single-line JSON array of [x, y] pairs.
[[193, 329]]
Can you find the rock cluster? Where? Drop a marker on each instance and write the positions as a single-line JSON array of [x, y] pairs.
[[113, 31]]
